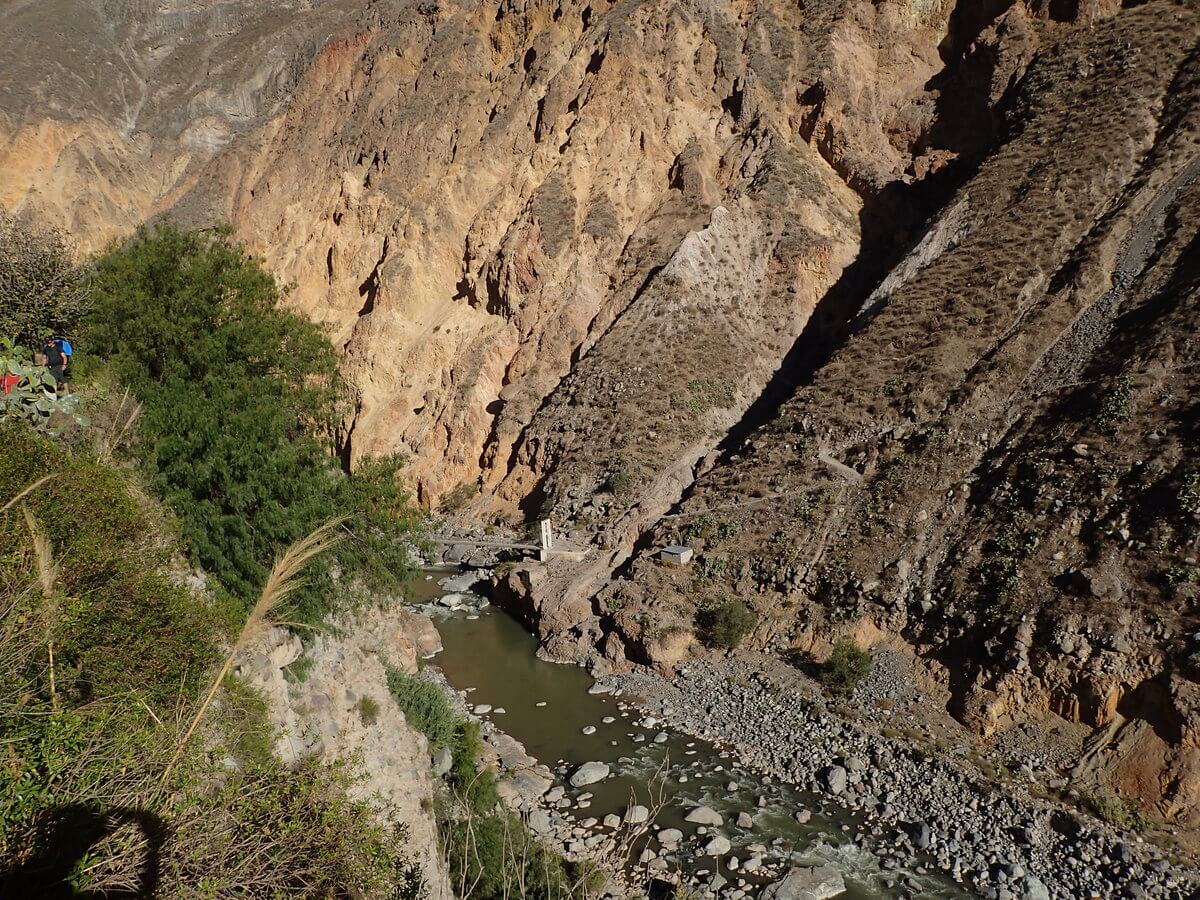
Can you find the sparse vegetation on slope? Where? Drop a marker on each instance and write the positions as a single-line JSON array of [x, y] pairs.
[[102, 652]]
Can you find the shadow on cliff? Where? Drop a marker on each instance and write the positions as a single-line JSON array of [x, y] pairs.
[[68, 836]]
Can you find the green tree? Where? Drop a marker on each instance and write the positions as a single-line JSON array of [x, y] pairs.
[[240, 404], [726, 624], [41, 288], [846, 667]]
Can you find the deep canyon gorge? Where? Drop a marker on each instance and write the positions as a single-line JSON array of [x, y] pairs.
[[886, 309]]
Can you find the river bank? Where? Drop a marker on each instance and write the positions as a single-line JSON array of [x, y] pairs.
[[890, 813], [680, 809], [997, 839]]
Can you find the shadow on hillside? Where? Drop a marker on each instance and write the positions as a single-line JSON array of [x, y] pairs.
[[68, 835]]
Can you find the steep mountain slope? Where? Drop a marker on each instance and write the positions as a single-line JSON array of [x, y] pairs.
[[1000, 464], [471, 195]]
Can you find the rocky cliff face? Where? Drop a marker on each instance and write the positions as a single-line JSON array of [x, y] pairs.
[[998, 462], [342, 710], [888, 308]]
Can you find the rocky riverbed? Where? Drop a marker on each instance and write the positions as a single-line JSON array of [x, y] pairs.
[[657, 805], [912, 808], [1002, 842]]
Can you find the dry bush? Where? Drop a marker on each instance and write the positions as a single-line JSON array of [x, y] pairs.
[[41, 288]]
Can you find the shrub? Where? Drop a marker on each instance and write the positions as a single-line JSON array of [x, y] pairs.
[[618, 482], [289, 831], [122, 626], [1116, 812], [425, 707], [368, 710], [476, 786], [846, 667], [240, 404], [299, 670], [495, 857], [726, 624], [1189, 494], [998, 573], [710, 527], [41, 289], [1115, 405], [243, 717]]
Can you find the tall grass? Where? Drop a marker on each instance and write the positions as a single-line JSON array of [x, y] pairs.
[[47, 572], [282, 581]]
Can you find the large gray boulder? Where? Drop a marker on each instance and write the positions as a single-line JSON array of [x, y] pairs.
[[704, 815], [833, 779], [718, 845], [668, 837], [589, 773], [807, 883], [636, 814], [461, 583]]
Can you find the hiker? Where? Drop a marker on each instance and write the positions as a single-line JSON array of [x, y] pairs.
[[57, 362]]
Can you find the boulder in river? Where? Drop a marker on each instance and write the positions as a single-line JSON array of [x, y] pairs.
[[670, 836], [718, 845], [636, 814], [589, 773], [745, 820], [461, 583], [807, 883], [704, 815]]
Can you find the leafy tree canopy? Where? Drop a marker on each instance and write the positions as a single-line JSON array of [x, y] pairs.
[[240, 401]]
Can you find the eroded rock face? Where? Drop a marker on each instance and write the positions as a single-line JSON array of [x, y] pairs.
[[1008, 490], [476, 197], [342, 709]]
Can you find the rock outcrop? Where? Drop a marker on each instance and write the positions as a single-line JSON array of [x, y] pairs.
[[341, 709]]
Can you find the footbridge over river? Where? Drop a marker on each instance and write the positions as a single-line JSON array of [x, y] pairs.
[[547, 548]]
